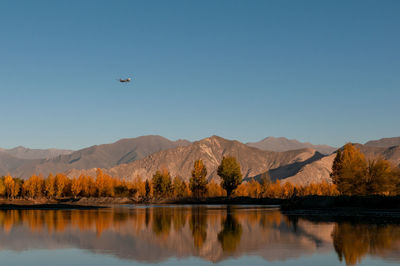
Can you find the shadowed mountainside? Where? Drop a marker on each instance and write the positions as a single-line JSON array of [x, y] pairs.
[[319, 170], [284, 144]]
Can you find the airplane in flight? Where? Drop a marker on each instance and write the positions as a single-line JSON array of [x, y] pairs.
[[125, 80]]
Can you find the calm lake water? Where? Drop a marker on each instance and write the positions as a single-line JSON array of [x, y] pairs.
[[191, 235]]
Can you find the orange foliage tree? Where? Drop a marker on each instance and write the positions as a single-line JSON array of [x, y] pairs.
[[104, 184], [9, 186], [33, 187]]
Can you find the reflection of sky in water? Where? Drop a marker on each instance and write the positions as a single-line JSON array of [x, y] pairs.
[[68, 257], [189, 235]]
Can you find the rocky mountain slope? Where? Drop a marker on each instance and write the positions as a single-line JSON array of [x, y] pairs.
[[145, 155], [179, 161], [319, 170], [391, 153], [284, 144], [102, 156], [313, 173]]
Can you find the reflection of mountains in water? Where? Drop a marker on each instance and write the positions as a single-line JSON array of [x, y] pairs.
[[213, 233]]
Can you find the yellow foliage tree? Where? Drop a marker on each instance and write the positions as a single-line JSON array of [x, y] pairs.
[[50, 186], [9, 185], [61, 185], [215, 190], [33, 187], [76, 187], [2, 188], [104, 184]]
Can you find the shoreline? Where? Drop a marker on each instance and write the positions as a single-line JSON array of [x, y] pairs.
[[308, 205], [49, 206]]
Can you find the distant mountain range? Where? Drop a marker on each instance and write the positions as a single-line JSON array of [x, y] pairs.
[[26, 153], [284, 144], [179, 160], [385, 142], [99, 156], [287, 160]]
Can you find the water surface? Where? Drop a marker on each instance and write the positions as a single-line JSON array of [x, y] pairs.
[[192, 235]]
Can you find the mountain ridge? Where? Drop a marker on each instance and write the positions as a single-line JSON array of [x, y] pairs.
[[384, 142], [284, 144], [143, 155], [101, 156], [22, 152], [179, 161]]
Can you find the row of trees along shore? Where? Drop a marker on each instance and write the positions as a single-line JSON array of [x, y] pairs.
[[352, 174]]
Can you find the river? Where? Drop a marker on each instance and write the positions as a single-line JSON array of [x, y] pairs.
[[192, 235]]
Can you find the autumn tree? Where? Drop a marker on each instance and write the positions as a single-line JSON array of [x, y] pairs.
[[9, 185], [147, 189], [396, 176], [2, 187], [215, 190], [137, 187], [16, 189], [198, 181], [380, 178], [265, 181], [88, 186], [179, 187], [288, 190], [162, 185], [50, 186], [76, 187], [253, 188], [276, 189], [229, 171], [104, 184], [61, 182], [349, 170], [33, 187], [354, 175]]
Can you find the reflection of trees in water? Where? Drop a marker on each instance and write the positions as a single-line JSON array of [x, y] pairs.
[[272, 218], [147, 217], [59, 220], [179, 218], [354, 241], [198, 225], [170, 227], [231, 232], [162, 221]]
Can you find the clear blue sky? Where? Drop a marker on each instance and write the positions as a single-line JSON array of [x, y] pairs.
[[319, 71]]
